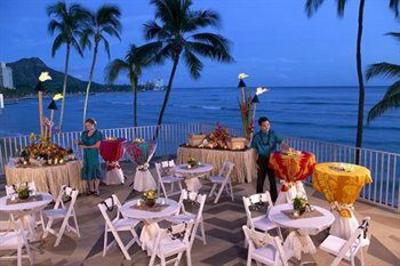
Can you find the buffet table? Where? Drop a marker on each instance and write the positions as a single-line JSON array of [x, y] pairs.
[[48, 178], [245, 161]]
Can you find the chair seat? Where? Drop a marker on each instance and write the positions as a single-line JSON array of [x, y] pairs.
[[125, 224], [169, 246], [267, 254], [10, 240], [55, 213], [333, 244], [263, 223], [171, 179], [217, 179], [181, 218]]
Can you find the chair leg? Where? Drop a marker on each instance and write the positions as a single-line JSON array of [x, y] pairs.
[[353, 263], [231, 190], [362, 256], [61, 232], [29, 253], [76, 225], [48, 227], [121, 245], [19, 255], [212, 190], [172, 187], [188, 257], [164, 190], [178, 259], [105, 242], [203, 233], [248, 260], [163, 262], [152, 259], [180, 185], [221, 189]]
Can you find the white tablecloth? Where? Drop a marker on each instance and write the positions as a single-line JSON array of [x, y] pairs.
[[144, 181], [192, 175], [150, 218], [294, 190], [299, 240]]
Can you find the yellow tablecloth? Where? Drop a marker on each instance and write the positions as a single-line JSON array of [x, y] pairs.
[[340, 183], [245, 161], [49, 178]]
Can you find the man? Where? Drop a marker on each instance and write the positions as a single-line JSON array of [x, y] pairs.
[[265, 142]]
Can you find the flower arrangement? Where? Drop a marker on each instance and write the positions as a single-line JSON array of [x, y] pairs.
[[300, 205], [192, 162], [23, 192], [150, 198], [43, 152]]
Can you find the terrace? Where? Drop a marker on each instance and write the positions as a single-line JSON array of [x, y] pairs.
[[223, 221]]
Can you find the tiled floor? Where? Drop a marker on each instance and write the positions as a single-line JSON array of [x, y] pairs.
[[223, 223]]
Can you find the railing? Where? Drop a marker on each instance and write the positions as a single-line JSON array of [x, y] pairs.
[[384, 166]]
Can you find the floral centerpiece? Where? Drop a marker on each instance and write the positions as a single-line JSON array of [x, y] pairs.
[[150, 197], [192, 162], [300, 205], [23, 192], [41, 152]]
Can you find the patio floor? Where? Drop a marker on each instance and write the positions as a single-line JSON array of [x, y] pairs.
[[223, 223]]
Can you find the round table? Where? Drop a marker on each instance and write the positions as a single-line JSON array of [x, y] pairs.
[[26, 211], [150, 218], [299, 240], [291, 168], [48, 178], [192, 174], [341, 184]]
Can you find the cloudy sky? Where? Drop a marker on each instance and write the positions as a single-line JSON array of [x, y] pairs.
[[272, 40]]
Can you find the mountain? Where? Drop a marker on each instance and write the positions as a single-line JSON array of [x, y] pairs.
[[27, 70]]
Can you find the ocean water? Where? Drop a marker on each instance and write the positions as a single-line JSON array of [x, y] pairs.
[[322, 113]]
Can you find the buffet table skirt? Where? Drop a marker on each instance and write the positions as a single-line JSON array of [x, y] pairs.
[[245, 161], [48, 178]]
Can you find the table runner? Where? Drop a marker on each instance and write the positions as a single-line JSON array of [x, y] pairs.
[[156, 208], [289, 214]]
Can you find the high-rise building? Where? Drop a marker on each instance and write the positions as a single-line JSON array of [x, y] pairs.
[[6, 76]]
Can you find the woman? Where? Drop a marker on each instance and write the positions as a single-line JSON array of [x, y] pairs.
[[90, 143]]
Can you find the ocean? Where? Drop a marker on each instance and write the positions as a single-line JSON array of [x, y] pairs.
[[321, 113]]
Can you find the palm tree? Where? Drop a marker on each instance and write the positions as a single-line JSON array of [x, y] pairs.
[[67, 23], [105, 21], [135, 60], [175, 34], [391, 99], [311, 7]]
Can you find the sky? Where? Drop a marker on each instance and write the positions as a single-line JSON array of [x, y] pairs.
[[272, 40]]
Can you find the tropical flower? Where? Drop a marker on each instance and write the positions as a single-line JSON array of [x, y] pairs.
[[44, 76], [243, 76], [261, 90]]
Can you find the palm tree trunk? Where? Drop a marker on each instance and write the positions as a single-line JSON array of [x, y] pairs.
[[64, 87], [134, 83], [40, 103], [166, 97], [85, 105], [361, 97]]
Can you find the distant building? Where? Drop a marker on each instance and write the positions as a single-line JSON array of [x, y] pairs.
[[6, 76]]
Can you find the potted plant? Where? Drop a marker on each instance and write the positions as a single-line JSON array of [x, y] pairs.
[[299, 205], [23, 192]]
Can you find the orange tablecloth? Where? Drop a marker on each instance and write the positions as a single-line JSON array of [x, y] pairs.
[[341, 184], [292, 167]]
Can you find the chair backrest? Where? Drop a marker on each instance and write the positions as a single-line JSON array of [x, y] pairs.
[[194, 197], [109, 205], [226, 169], [167, 164], [180, 231], [8, 243], [165, 168], [253, 200], [355, 241], [69, 192], [11, 189], [261, 239]]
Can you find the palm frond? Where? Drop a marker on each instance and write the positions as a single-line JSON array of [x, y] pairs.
[[211, 45], [201, 19], [145, 55], [341, 4], [393, 90], [395, 35], [54, 26], [85, 38], [152, 30], [312, 6], [193, 63], [114, 69], [57, 10], [113, 32], [165, 10], [106, 46], [394, 6], [383, 69], [75, 44], [58, 41], [384, 105]]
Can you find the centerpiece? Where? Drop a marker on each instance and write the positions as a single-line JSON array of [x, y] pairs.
[[23, 192], [192, 163], [150, 198], [300, 206]]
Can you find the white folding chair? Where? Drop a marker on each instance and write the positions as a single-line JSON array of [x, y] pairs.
[[183, 215], [64, 213], [16, 240], [168, 178], [265, 249], [118, 224], [223, 179], [348, 249], [172, 241], [261, 222]]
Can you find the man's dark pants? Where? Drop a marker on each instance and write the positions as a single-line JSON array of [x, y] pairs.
[[262, 171]]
